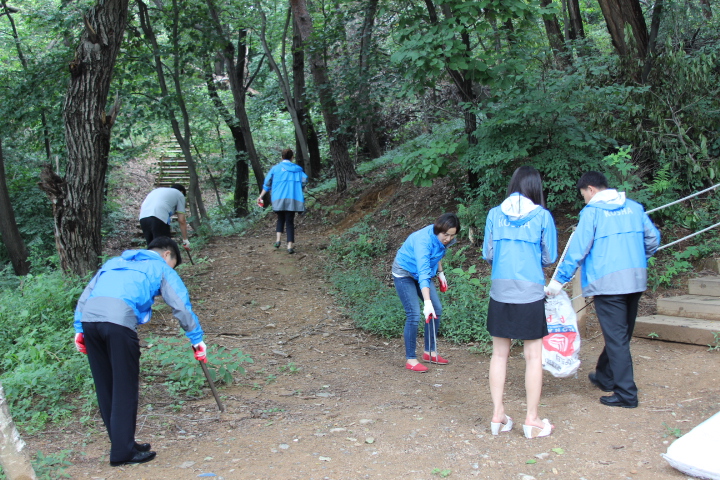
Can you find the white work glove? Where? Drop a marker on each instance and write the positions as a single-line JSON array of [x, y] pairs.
[[553, 288], [443, 282], [200, 351], [186, 243], [428, 310]]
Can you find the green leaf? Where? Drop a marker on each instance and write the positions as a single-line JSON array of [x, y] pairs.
[[559, 451]]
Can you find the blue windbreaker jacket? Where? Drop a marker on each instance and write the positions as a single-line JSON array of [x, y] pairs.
[[123, 291], [420, 254], [520, 239], [285, 183], [612, 242]]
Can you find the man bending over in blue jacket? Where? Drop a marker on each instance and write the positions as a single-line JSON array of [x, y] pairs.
[[613, 240], [118, 298]]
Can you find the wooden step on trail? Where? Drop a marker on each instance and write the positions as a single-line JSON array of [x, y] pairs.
[[693, 306], [693, 318], [705, 286], [677, 329]]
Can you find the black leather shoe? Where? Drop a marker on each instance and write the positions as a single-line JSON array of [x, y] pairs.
[[615, 401], [142, 447], [593, 379], [139, 457]]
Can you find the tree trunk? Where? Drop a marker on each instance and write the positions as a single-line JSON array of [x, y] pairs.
[[555, 37], [344, 168], [576, 31], [308, 128], [238, 87], [284, 84], [240, 201], [23, 61], [368, 125], [8, 227], [464, 84], [13, 456], [654, 29], [706, 10], [195, 198], [78, 201], [619, 13]]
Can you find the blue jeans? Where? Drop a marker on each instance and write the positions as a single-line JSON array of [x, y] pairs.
[[410, 295]]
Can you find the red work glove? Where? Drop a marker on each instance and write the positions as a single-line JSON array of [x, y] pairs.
[[443, 282], [80, 343], [200, 352], [260, 202]]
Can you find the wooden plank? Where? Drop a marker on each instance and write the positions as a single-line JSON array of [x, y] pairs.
[[704, 286], [677, 329], [691, 306]]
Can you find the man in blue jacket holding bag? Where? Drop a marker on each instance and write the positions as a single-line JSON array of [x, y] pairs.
[[118, 298], [613, 240]]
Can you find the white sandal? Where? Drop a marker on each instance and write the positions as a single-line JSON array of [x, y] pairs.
[[496, 428], [531, 431]]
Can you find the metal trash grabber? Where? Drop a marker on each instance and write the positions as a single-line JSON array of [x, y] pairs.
[[212, 386], [434, 333], [188, 252]]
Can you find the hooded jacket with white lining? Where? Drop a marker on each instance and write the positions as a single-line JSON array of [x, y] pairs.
[[285, 183], [612, 242], [123, 291], [520, 239]]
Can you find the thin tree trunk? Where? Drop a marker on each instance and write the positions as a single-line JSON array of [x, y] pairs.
[[577, 31], [654, 29], [238, 87], [8, 227], [13, 455], [284, 84], [240, 200], [555, 37], [308, 128], [23, 61], [368, 125], [183, 138], [344, 168], [78, 201], [706, 10], [464, 85]]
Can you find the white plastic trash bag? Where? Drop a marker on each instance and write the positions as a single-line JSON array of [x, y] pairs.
[[562, 344], [696, 452]]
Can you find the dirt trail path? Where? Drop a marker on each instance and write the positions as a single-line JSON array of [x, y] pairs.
[[326, 401]]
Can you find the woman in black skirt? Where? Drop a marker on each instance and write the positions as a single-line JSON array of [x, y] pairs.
[[520, 239]]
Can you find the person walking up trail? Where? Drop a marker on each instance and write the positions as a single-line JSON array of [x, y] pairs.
[[285, 182], [612, 242], [157, 210], [417, 261], [520, 239], [118, 298]]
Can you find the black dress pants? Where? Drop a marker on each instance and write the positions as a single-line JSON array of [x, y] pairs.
[[114, 355], [153, 227], [614, 370]]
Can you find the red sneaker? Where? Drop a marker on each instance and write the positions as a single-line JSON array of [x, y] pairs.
[[435, 359], [416, 368]]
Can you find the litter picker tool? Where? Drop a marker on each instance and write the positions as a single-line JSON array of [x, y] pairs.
[[188, 252], [212, 386], [434, 336]]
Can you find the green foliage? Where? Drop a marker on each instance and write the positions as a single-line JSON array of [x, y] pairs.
[[430, 155], [173, 357], [715, 346], [358, 244], [49, 467], [39, 366], [671, 431], [465, 307], [443, 473], [663, 271]]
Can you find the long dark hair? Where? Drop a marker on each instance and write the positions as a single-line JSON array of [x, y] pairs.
[[527, 182]]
